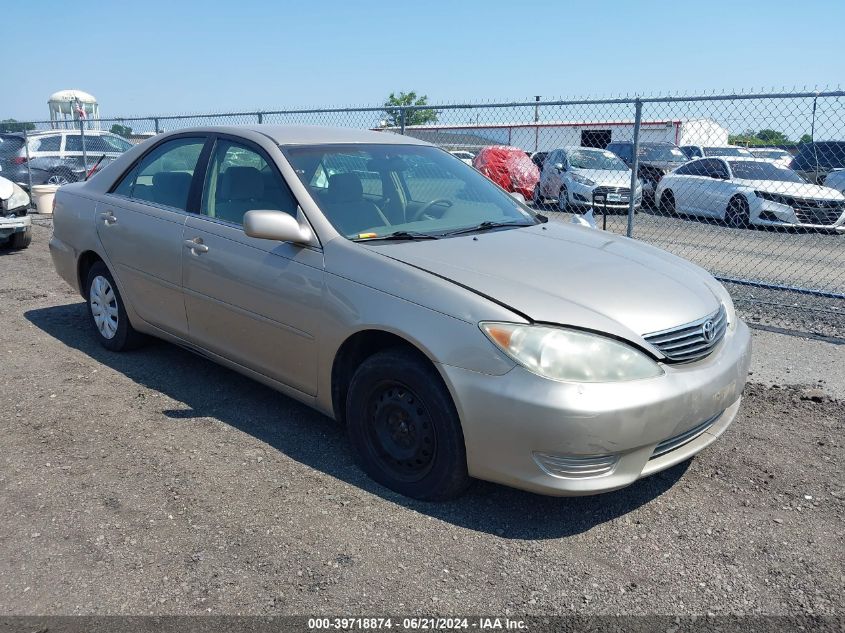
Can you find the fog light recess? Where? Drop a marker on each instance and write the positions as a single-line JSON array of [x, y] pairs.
[[576, 467]]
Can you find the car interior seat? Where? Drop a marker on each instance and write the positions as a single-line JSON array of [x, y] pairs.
[[346, 207]]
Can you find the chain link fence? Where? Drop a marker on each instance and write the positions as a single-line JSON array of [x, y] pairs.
[[749, 186]]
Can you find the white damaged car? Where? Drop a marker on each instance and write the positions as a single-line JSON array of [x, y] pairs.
[[15, 224], [749, 191]]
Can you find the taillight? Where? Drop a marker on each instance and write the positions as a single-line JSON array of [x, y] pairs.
[[19, 160]]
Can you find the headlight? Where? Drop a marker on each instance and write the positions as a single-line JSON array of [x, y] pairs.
[[774, 197], [570, 355], [583, 180]]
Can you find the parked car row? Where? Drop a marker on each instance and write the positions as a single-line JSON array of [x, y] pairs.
[[56, 156], [741, 186]]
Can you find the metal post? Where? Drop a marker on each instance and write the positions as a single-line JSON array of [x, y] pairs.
[[155, 121], [28, 166], [260, 116], [635, 166], [402, 121], [537, 123], [84, 153]]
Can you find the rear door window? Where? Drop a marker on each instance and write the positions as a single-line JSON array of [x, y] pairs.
[[47, 144], [164, 175]]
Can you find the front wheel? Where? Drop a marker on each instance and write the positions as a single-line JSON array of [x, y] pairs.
[[737, 214], [108, 314], [20, 241], [667, 203], [404, 429], [563, 199]]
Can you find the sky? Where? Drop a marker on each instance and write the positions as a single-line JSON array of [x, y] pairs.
[[186, 56]]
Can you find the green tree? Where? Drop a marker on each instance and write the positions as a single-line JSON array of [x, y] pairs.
[[760, 137], [393, 113], [806, 138], [121, 130], [11, 125]]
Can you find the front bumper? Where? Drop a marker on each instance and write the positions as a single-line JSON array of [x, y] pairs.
[[9, 226], [782, 215], [508, 420]]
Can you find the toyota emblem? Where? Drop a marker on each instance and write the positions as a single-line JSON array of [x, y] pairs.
[[708, 331]]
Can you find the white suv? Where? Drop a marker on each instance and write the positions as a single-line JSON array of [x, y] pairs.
[[57, 156]]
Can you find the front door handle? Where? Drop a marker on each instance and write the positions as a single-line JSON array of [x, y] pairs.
[[196, 246], [108, 218]]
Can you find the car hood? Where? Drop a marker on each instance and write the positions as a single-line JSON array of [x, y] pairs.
[[794, 189], [557, 273], [606, 178]]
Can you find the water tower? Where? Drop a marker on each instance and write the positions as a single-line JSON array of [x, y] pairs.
[[67, 108]]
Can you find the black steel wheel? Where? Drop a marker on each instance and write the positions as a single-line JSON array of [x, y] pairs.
[[403, 427]]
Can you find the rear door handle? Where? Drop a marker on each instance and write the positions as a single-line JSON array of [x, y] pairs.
[[196, 246], [108, 217]]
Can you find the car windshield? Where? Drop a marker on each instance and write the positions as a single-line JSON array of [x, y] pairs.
[[760, 170], [595, 159], [668, 153], [727, 151], [375, 190]]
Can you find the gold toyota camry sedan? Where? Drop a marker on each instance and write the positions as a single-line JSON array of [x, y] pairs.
[[379, 279]]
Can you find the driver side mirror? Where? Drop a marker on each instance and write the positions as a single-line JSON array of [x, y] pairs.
[[276, 225]]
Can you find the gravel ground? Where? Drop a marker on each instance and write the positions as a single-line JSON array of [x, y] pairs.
[[157, 482]]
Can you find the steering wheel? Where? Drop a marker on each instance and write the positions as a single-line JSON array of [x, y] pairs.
[[421, 211]]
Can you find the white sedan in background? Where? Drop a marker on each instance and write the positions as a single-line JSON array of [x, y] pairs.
[[580, 176], [465, 156], [779, 157], [749, 191]]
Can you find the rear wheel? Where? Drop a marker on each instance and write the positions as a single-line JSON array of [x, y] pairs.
[[737, 214], [667, 203], [403, 427], [61, 177], [21, 240], [108, 314]]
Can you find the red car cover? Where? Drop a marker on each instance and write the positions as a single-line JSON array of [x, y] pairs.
[[508, 167]]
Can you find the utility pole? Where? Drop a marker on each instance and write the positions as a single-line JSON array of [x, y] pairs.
[[536, 122]]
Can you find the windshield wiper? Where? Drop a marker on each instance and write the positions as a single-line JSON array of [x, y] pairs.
[[485, 226], [398, 235]]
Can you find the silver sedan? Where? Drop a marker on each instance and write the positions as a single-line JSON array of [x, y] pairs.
[[382, 281]]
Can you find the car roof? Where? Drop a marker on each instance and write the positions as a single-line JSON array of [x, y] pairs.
[[310, 134]]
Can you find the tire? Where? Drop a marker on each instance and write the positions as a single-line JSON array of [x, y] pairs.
[[738, 215], [112, 328], [537, 199], [60, 177], [404, 429], [563, 199], [20, 241], [667, 203]]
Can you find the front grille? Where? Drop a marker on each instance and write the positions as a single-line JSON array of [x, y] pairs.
[[692, 341], [686, 437], [600, 191], [819, 215]]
